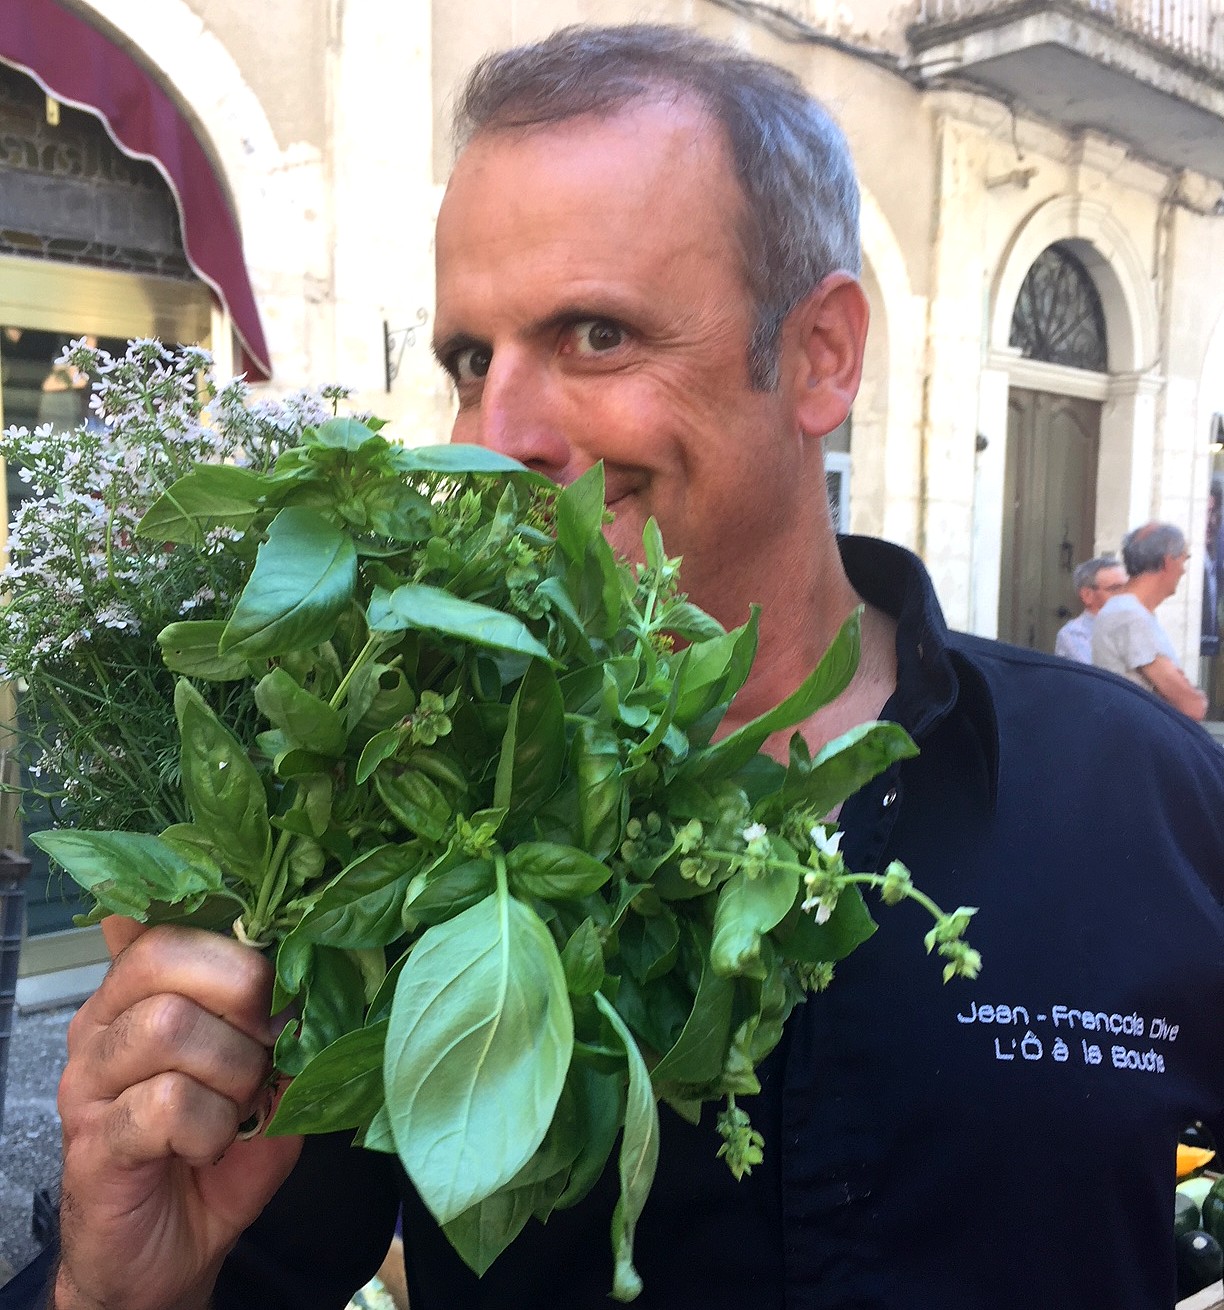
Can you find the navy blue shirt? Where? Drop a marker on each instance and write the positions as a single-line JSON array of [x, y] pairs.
[[968, 1146]]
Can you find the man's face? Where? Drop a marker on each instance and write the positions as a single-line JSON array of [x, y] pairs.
[[1175, 569], [591, 305], [1108, 582]]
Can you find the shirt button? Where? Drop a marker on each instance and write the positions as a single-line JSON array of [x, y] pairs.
[[889, 796]]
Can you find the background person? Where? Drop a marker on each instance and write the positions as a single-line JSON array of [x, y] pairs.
[[1127, 637], [648, 254], [1213, 567], [1095, 580]]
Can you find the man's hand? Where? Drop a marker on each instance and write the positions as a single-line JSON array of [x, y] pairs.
[[165, 1060]]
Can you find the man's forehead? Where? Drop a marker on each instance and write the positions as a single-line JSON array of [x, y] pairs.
[[661, 122]]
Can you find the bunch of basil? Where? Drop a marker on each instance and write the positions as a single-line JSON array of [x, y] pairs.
[[515, 887]]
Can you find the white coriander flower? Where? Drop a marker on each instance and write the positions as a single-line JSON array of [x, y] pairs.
[[754, 831]]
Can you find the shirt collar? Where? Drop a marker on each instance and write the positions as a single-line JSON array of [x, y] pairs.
[[935, 676]]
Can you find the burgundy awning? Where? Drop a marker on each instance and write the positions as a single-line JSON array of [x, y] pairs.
[[78, 65]]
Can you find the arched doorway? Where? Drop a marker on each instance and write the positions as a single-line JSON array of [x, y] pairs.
[[1053, 441]]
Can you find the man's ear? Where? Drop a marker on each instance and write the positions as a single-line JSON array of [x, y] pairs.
[[825, 335]]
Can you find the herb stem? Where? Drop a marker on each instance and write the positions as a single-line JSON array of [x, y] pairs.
[[364, 655], [273, 885]]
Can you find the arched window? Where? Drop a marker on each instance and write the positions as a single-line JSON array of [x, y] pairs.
[[1058, 317]]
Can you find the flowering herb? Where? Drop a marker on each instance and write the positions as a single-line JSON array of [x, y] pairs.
[[517, 886]]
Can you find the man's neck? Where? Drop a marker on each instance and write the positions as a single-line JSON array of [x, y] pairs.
[[1148, 589], [796, 630]]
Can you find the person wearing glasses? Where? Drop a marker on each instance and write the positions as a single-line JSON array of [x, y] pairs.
[[1127, 637], [1095, 580]]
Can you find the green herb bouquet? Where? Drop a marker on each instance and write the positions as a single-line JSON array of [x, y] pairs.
[[457, 768]]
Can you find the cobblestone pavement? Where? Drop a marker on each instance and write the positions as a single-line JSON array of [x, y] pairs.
[[30, 1136]]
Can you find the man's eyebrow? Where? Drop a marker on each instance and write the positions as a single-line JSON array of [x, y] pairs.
[[446, 348]]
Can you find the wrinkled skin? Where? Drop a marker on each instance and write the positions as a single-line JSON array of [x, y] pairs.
[[165, 1060]]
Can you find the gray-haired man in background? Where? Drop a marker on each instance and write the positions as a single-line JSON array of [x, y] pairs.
[[1095, 581], [1127, 637]]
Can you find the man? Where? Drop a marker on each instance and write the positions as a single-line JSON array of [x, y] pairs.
[[1128, 638], [1095, 580], [647, 255]]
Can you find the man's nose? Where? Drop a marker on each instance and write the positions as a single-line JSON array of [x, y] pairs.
[[521, 415]]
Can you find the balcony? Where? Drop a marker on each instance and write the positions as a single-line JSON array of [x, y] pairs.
[[1147, 72]]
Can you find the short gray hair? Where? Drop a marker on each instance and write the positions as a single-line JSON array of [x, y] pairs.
[[1145, 549], [1085, 574], [801, 197]]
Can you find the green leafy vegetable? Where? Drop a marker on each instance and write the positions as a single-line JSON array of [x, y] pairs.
[[460, 771]]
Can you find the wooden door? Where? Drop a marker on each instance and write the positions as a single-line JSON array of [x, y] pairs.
[[1049, 512]]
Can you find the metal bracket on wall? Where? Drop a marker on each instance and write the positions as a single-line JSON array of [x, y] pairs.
[[395, 341]]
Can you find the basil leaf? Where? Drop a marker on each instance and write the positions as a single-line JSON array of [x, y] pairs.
[[456, 457], [381, 746], [533, 747], [711, 673], [347, 434], [690, 622], [433, 898], [306, 720], [639, 1157], [601, 1104], [582, 959], [416, 801], [649, 944], [361, 907], [303, 580], [553, 872], [824, 684], [130, 872], [697, 1055], [843, 765], [225, 793], [335, 1005], [848, 926], [483, 1232], [748, 907], [341, 1087], [294, 960], [602, 799], [378, 1135], [480, 1040], [430, 609], [580, 513], [193, 648], [378, 698], [210, 496]]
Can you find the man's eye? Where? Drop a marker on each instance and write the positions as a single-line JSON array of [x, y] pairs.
[[594, 336], [471, 363]]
